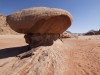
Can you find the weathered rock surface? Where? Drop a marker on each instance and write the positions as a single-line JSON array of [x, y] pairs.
[[4, 27], [40, 20], [35, 40]]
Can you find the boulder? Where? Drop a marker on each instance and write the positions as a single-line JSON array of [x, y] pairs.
[[68, 34], [41, 20]]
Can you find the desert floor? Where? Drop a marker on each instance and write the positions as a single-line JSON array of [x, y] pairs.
[[83, 53]]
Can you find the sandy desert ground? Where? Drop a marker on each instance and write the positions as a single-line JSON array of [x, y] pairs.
[[83, 54]]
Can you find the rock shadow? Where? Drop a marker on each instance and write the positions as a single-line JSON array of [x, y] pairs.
[[13, 51]]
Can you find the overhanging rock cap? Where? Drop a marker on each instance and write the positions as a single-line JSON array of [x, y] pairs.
[[40, 20]]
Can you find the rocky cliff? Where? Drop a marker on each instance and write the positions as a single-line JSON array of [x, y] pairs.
[[4, 27]]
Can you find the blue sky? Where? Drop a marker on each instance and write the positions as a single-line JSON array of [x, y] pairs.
[[86, 13]]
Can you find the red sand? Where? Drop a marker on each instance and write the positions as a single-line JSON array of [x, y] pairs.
[[83, 54]]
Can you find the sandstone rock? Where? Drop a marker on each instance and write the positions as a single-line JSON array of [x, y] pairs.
[[4, 27], [41, 26], [40, 20], [67, 34]]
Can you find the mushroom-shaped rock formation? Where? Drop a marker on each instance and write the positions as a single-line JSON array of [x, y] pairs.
[[42, 28], [40, 20], [41, 25]]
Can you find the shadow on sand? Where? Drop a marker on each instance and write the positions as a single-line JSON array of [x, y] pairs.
[[14, 51]]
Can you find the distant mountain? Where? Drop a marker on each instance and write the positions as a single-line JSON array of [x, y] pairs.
[[93, 32]]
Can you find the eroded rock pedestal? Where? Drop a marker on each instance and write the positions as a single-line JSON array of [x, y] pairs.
[[36, 40]]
